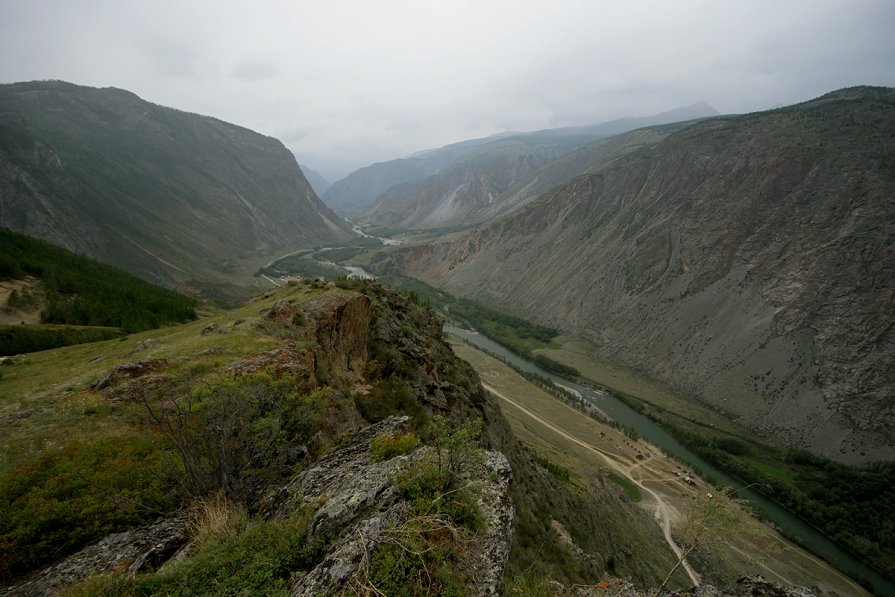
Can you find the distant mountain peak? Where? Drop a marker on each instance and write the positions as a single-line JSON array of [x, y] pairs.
[[699, 109]]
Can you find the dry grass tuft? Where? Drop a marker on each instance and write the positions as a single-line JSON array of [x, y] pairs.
[[216, 518]]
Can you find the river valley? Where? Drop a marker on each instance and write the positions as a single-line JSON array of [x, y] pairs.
[[622, 414]]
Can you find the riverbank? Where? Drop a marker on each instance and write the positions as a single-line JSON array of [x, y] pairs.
[[793, 526], [785, 562]]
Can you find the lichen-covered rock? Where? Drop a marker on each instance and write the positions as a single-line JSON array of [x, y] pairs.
[[339, 568], [356, 504], [128, 371], [345, 485], [139, 550], [497, 537], [365, 511]]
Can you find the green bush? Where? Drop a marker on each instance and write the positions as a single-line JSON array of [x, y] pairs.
[[56, 502], [387, 397], [425, 565], [259, 561], [240, 434], [557, 470], [20, 300], [389, 445], [439, 485]]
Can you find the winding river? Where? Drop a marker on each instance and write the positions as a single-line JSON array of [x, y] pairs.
[[618, 411]]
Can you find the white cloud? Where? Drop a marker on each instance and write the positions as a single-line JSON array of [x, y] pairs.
[[343, 83]]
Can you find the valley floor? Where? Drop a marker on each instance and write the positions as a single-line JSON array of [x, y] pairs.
[[560, 432]]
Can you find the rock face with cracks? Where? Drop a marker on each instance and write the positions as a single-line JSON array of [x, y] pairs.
[[361, 505]]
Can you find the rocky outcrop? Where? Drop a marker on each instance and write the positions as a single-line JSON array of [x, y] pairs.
[[362, 509], [342, 329], [356, 508], [347, 482], [128, 371], [352, 496], [746, 261], [140, 550]]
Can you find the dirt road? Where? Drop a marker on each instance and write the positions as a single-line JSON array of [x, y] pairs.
[[662, 513]]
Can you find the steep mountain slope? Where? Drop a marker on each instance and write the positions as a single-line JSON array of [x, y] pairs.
[[487, 186], [177, 198], [473, 169], [746, 260], [458, 194], [354, 193], [315, 179]]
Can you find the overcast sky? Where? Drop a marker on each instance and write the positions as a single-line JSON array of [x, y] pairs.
[[347, 83]]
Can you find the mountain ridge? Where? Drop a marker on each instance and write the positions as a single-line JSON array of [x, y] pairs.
[[181, 199], [359, 190], [723, 260]]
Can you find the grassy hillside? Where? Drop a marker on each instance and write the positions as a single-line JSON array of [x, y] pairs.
[[107, 436], [77, 291]]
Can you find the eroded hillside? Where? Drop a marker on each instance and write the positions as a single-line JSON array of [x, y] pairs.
[[745, 260]]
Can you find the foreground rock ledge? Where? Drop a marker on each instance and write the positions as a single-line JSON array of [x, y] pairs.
[[355, 504]]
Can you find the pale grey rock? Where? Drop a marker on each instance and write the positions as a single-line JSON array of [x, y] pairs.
[[139, 550]]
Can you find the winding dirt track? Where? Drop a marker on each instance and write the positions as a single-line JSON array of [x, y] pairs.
[[663, 514]]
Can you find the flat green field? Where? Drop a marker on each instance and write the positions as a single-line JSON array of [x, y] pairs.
[[686, 412]]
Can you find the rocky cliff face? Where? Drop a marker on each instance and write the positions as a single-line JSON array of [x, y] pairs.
[[746, 260], [177, 198]]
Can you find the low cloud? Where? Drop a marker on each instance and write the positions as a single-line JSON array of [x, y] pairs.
[[352, 82]]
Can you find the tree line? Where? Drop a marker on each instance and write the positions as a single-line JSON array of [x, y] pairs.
[[79, 291]]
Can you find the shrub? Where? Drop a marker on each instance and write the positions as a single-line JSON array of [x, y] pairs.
[[557, 470], [387, 397], [240, 434], [425, 560], [55, 503], [388, 445], [438, 485], [258, 561]]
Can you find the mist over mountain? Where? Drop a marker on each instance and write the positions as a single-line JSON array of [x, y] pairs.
[[450, 183], [177, 198], [745, 260], [315, 179]]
